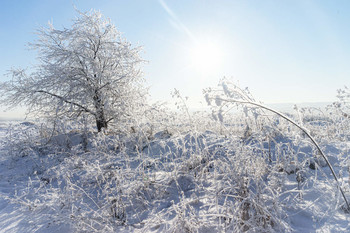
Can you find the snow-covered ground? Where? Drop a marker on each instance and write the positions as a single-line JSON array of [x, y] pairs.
[[168, 182], [14, 177]]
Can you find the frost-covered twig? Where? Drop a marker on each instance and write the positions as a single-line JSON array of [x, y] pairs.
[[240, 97]]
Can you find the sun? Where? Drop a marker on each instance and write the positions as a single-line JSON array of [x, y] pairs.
[[206, 56]]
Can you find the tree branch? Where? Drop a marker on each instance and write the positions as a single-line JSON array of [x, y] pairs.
[[67, 101]]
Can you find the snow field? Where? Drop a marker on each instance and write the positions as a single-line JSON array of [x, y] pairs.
[[169, 181]]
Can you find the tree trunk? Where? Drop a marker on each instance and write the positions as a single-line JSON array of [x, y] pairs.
[[101, 121]]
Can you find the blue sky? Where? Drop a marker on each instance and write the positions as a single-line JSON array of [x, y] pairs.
[[284, 51]]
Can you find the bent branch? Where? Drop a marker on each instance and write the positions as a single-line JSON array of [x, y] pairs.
[[305, 131]]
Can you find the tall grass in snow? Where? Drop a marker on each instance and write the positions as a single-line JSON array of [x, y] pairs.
[[245, 172]]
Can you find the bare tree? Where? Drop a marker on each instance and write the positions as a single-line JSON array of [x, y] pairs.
[[86, 69]]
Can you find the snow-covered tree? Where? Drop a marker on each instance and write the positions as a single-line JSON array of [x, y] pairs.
[[86, 69]]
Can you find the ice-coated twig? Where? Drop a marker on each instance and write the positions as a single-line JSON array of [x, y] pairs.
[[304, 130]]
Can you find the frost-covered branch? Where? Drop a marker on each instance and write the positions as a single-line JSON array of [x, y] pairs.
[[67, 101], [237, 96]]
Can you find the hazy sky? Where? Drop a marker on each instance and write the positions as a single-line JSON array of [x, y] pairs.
[[284, 51]]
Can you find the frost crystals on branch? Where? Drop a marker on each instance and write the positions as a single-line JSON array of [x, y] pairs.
[[232, 95], [86, 69]]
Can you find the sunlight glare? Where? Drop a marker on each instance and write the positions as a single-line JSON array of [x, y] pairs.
[[206, 57]]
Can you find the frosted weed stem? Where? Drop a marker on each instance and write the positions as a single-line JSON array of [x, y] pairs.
[[304, 130]]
